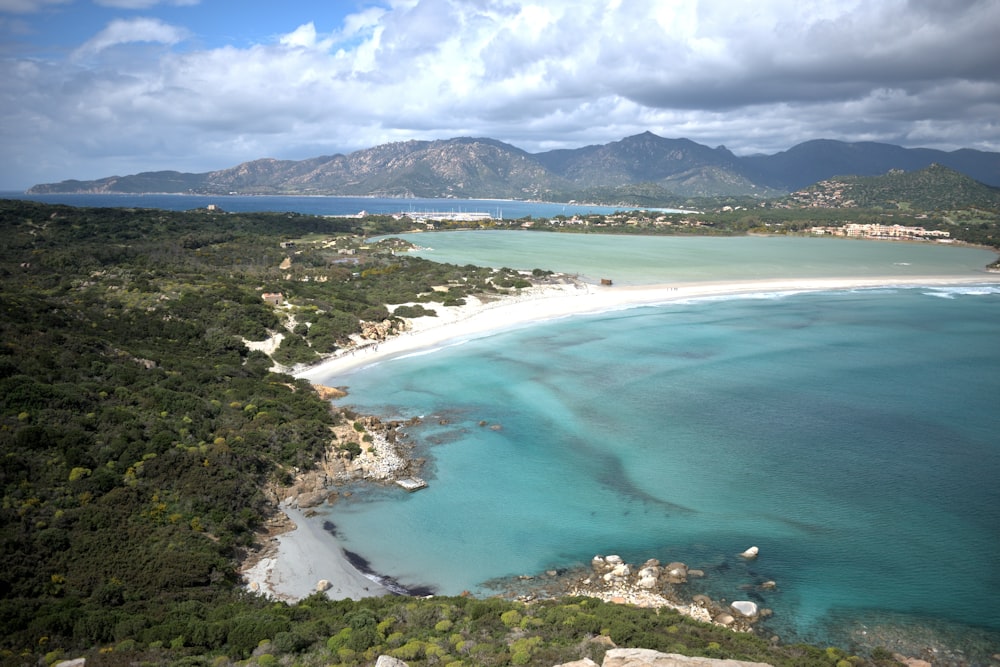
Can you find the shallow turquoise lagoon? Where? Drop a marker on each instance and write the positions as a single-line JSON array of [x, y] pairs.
[[637, 260], [851, 435]]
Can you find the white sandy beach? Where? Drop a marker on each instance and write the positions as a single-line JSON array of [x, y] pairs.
[[305, 556], [308, 553], [538, 304]]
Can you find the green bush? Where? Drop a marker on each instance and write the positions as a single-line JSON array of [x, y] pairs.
[[289, 642], [511, 618], [414, 311], [411, 650], [352, 448]]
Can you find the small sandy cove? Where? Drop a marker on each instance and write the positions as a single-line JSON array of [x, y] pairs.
[[308, 554]]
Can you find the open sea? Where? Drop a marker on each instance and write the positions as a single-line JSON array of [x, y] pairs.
[[854, 436]]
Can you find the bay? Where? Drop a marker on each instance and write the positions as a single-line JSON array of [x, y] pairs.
[[319, 205], [850, 435]]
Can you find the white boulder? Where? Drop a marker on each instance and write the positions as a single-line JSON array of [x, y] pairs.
[[389, 661], [745, 608]]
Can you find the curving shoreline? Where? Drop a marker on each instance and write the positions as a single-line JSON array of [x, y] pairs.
[[307, 554], [572, 297]]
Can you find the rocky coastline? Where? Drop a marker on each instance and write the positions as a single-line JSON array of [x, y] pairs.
[[386, 456], [650, 585], [361, 449]]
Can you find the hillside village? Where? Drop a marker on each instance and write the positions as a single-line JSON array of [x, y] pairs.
[[883, 232]]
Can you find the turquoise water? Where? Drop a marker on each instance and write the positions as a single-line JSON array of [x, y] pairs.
[[851, 435], [657, 259]]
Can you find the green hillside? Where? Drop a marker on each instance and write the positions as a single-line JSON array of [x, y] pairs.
[[935, 188]]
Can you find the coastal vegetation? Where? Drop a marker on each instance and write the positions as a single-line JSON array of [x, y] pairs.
[[440, 631], [139, 433], [935, 188], [138, 430]]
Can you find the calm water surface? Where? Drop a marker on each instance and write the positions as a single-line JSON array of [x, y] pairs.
[[850, 435], [507, 209], [663, 259]]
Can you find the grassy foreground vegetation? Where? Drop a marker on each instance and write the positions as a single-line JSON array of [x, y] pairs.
[[138, 433]]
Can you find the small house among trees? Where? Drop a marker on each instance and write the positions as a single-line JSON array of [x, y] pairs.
[[273, 298]]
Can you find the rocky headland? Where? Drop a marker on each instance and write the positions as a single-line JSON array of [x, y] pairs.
[[627, 657], [361, 448]]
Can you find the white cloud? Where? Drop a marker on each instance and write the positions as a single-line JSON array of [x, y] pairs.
[[130, 31], [144, 4], [540, 75]]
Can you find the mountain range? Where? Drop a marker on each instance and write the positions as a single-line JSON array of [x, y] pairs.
[[640, 168]]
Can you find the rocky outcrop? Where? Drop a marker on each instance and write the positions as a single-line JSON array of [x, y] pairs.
[[328, 393], [916, 662], [379, 331], [381, 461], [627, 657], [75, 662], [382, 458], [654, 585], [641, 657]]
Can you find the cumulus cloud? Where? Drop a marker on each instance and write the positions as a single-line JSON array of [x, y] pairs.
[[130, 31], [541, 75]]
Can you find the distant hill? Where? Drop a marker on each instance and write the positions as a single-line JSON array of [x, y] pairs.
[[814, 161], [468, 167], [678, 166], [933, 188]]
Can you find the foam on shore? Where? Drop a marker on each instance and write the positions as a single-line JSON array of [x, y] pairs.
[[538, 304]]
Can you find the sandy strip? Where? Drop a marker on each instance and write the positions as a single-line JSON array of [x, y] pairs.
[[305, 556], [309, 553], [538, 304]]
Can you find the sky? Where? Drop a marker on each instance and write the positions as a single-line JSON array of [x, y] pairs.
[[94, 88]]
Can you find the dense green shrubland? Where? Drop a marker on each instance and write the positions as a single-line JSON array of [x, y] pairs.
[[136, 428], [438, 631]]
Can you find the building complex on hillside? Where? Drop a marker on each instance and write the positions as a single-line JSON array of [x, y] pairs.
[[878, 231]]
